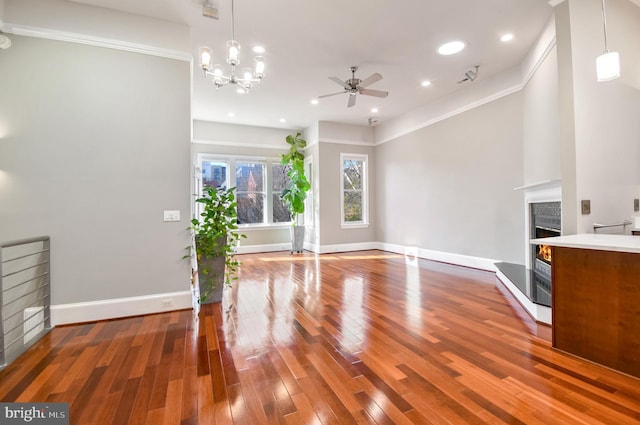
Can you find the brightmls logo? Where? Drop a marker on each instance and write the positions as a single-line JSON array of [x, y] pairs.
[[34, 413]]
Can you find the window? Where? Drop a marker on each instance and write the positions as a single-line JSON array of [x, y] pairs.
[[279, 182], [259, 183], [354, 190], [250, 192], [214, 173]]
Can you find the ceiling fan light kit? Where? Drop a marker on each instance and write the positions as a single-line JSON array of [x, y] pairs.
[[354, 86], [245, 79]]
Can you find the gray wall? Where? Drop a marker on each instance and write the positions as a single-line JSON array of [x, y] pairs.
[[330, 218], [449, 187], [94, 145]]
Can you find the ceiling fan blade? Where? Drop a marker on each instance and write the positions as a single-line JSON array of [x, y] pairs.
[[376, 93], [352, 100], [370, 80], [332, 94], [338, 81]]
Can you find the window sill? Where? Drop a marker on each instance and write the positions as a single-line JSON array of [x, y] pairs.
[[354, 226], [249, 227]]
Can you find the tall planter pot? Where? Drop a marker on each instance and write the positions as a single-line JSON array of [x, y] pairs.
[[297, 239], [211, 277]]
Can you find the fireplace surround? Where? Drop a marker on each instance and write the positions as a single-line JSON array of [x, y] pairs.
[[530, 283]]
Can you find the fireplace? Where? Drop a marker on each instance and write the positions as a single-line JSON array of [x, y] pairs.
[[545, 221], [530, 283]]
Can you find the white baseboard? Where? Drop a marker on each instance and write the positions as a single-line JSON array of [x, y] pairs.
[[538, 312], [443, 257], [63, 314], [347, 247], [253, 249]]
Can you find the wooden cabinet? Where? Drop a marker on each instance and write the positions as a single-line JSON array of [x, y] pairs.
[[596, 306]]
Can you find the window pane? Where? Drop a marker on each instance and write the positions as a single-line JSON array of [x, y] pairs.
[[250, 192], [250, 208], [352, 206], [249, 177], [214, 174], [352, 174], [280, 177], [279, 183], [280, 211]]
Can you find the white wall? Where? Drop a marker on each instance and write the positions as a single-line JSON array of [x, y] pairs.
[[541, 123], [449, 187], [605, 115], [91, 153], [333, 132]]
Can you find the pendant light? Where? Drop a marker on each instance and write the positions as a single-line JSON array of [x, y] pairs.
[[608, 63]]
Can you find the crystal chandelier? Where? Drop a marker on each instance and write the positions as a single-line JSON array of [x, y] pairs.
[[246, 77]]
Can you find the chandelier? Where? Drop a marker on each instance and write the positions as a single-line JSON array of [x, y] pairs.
[[245, 78]]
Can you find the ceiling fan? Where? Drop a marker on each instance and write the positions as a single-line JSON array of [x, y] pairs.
[[354, 85]]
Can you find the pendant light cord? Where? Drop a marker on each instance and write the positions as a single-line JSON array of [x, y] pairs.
[[604, 26], [233, 24]]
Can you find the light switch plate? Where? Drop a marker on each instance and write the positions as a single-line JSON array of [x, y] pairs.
[[586, 206], [171, 215]]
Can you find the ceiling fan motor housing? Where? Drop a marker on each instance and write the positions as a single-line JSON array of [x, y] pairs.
[[354, 86]]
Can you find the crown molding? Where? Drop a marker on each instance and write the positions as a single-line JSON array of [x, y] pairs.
[[71, 37], [345, 142]]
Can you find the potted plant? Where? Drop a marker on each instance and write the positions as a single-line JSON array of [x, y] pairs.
[[215, 237], [296, 192]]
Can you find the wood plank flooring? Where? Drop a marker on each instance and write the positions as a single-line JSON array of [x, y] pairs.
[[357, 338]]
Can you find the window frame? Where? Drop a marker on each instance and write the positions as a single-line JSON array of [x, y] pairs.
[[308, 218], [232, 161], [364, 223]]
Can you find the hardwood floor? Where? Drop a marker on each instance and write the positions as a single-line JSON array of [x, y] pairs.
[[336, 339]]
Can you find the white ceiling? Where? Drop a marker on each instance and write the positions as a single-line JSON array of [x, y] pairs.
[[308, 41]]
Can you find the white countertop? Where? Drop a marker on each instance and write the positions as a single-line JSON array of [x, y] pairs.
[[602, 242]]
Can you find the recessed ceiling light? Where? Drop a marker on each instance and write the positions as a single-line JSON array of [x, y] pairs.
[[451, 48], [314, 101], [425, 83], [231, 115], [258, 49], [241, 91], [506, 37], [374, 110], [282, 120]]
